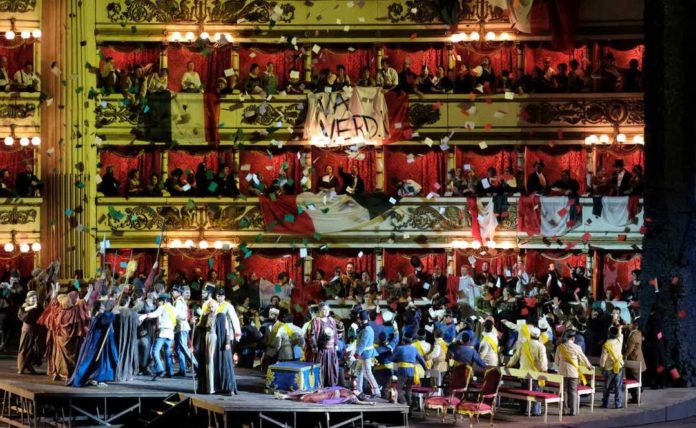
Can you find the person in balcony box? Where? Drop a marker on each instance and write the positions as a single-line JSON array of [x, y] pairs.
[[134, 186], [566, 186], [257, 187], [28, 184], [455, 177], [133, 85], [576, 77], [464, 81], [406, 188], [178, 183], [109, 185], [294, 86], [26, 80], [253, 85], [270, 80], [366, 78], [221, 86], [633, 81], [560, 79], [342, 79], [153, 186], [226, 184], [636, 188], [202, 181], [158, 83], [387, 77], [328, 182], [442, 83], [620, 179], [425, 81], [352, 183], [492, 184], [486, 75], [191, 81], [536, 181], [108, 75], [408, 79], [4, 74]]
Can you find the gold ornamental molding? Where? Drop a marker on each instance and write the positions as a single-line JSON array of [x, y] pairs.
[[18, 6], [17, 216]]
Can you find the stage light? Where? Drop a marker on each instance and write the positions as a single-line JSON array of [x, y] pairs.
[[25, 34], [36, 247], [24, 248], [175, 244], [217, 37], [36, 141], [10, 35], [491, 243], [24, 141], [604, 139], [229, 37], [203, 245], [189, 244], [505, 36], [9, 247], [204, 35], [218, 245], [9, 141], [176, 36], [638, 139], [476, 244], [190, 36], [621, 138], [475, 36], [36, 33], [490, 36]]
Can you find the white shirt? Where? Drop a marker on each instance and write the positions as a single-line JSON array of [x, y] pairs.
[[409, 188], [24, 80], [181, 309], [157, 83], [387, 78], [232, 318], [165, 323], [191, 80], [486, 351], [468, 287]]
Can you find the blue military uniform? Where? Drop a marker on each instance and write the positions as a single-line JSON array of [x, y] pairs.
[[384, 370], [465, 354], [449, 331], [405, 358], [365, 350]]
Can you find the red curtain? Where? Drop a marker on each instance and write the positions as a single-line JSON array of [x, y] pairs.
[[624, 52], [15, 161], [267, 264], [563, 20], [631, 155], [537, 262], [23, 262], [499, 157], [618, 268], [189, 160], [496, 263], [17, 55], [283, 60], [210, 64], [534, 56], [128, 55], [503, 57], [259, 161], [119, 259], [556, 159], [205, 260], [123, 160], [328, 261], [431, 56], [399, 260], [428, 170], [353, 61], [323, 157]]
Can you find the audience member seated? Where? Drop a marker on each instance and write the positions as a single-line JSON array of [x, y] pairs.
[[282, 185], [352, 184], [328, 182], [109, 186], [609, 75], [633, 78], [620, 179], [133, 85], [566, 186], [576, 77], [253, 85], [203, 178], [26, 80], [504, 82], [222, 88], [464, 82], [534, 82], [226, 184], [134, 186], [191, 81], [560, 79], [270, 80], [154, 186], [256, 186], [387, 77], [548, 71], [408, 80], [492, 184], [5, 190], [294, 86], [178, 183], [425, 81], [511, 180], [487, 75], [536, 181], [366, 79], [342, 79], [4, 75], [28, 184], [454, 181], [636, 181], [108, 75], [158, 82], [405, 188]]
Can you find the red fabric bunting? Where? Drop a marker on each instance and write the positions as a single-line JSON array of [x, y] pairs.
[[322, 157], [126, 56], [503, 57], [623, 54], [268, 264], [537, 262], [260, 162], [15, 161], [452, 290], [556, 159], [399, 123], [631, 155], [529, 215], [124, 160], [472, 203], [329, 261], [534, 56], [432, 57], [498, 157], [496, 263], [274, 213], [145, 259], [210, 64], [189, 160], [563, 19], [428, 170], [353, 61], [617, 270]]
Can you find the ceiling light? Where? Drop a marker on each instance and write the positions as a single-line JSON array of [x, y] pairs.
[[36, 33], [175, 244], [36, 246], [10, 35], [190, 36], [9, 247], [24, 141], [637, 139], [218, 245], [176, 36], [36, 141], [217, 37], [490, 36], [205, 35], [621, 138], [203, 245], [506, 245], [476, 245], [505, 36], [604, 139], [475, 36], [491, 243], [24, 248], [229, 37], [9, 141], [189, 244], [25, 34]]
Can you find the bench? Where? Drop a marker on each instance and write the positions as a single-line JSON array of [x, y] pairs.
[[583, 390], [530, 396], [635, 366]]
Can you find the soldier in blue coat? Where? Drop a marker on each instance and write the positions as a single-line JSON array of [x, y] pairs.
[[405, 358], [447, 327], [384, 370], [464, 352], [364, 353]]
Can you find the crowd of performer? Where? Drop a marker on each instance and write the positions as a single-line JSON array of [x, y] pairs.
[[414, 329]]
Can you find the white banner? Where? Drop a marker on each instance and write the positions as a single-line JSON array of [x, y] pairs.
[[351, 116]]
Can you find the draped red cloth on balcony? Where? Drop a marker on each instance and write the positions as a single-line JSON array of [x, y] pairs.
[[267, 264], [283, 60], [624, 52], [22, 261], [428, 170], [209, 63], [362, 56], [529, 215], [328, 261], [124, 159], [260, 162], [118, 260], [17, 55], [189, 160], [556, 159], [399, 261], [126, 56], [206, 260], [399, 123], [15, 159], [432, 56], [534, 56], [323, 157], [498, 157], [617, 269], [503, 56], [630, 154], [537, 262], [496, 263]]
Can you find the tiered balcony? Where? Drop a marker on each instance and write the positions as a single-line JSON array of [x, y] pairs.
[[21, 216], [20, 115]]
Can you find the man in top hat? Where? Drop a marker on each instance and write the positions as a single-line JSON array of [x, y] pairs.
[[531, 355], [364, 353], [620, 179], [634, 352], [569, 357], [611, 362], [166, 320], [536, 181], [182, 330], [405, 358]]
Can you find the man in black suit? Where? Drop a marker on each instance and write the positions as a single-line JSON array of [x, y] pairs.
[[566, 185], [620, 178], [352, 184], [536, 181], [28, 184]]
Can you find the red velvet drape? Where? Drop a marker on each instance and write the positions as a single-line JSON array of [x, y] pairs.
[[429, 170], [119, 259], [323, 157], [618, 268], [624, 52], [205, 260], [15, 160], [496, 263], [631, 155], [189, 160], [129, 55], [563, 20], [125, 159], [537, 262], [327, 261], [556, 159], [210, 64], [499, 157], [353, 61], [267, 264], [17, 55], [399, 260], [534, 56], [503, 57], [22, 261], [259, 161], [283, 59], [432, 56]]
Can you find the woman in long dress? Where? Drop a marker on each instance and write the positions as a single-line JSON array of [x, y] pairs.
[[215, 373]]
